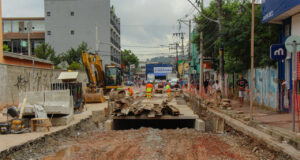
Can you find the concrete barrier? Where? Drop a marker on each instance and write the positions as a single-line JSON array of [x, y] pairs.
[[58, 102], [54, 102]]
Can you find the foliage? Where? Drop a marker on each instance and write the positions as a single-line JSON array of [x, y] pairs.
[[74, 66], [74, 55], [6, 48], [127, 58], [236, 36], [46, 51]]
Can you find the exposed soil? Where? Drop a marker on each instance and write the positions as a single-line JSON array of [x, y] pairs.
[[154, 144]]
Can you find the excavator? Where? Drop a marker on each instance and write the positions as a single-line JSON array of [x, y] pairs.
[[100, 82]]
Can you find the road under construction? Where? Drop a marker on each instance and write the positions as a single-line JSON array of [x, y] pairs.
[[132, 127]]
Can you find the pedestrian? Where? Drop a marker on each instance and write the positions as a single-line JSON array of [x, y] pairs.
[[211, 84], [242, 84], [168, 90], [130, 91], [149, 89], [205, 86], [285, 88], [218, 93]]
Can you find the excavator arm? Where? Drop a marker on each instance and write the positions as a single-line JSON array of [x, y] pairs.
[[94, 93]]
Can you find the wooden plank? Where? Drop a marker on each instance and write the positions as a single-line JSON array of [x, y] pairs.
[[22, 108]]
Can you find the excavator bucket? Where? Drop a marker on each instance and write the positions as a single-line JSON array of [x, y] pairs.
[[97, 97]]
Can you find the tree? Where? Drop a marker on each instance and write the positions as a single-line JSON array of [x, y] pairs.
[[6, 48], [46, 51], [74, 55], [236, 36], [127, 58], [75, 66]]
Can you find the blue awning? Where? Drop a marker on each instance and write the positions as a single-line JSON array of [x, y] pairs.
[[273, 8]]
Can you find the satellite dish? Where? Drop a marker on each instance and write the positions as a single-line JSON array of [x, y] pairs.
[[290, 41]]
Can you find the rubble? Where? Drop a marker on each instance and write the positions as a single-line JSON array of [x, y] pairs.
[[125, 107]]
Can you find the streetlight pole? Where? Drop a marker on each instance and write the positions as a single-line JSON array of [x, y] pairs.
[[1, 38], [252, 59], [28, 38]]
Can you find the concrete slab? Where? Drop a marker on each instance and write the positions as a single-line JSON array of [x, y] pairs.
[[58, 102], [108, 125], [61, 121], [200, 125]]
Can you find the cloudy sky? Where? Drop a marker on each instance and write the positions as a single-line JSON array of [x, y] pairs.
[[147, 26]]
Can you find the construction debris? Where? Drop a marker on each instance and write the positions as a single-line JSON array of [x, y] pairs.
[[124, 108]]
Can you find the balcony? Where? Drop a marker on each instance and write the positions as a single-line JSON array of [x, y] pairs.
[[116, 26], [115, 43]]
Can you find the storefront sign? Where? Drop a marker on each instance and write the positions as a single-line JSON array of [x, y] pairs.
[[277, 52]]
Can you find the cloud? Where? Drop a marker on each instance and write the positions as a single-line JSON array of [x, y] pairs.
[[23, 8], [144, 23]]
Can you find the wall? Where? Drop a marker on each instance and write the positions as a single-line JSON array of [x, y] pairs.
[[266, 86], [14, 79], [87, 15], [296, 25]]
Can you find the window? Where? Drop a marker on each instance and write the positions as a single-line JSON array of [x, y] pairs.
[[48, 33], [287, 31], [72, 32], [48, 14], [72, 13]]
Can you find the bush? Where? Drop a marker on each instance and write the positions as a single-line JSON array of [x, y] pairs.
[[74, 66]]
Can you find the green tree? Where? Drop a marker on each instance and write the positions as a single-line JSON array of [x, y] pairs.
[[74, 66], [236, 36], [44, 51], [6, 48], [127, 58], [74, 55]]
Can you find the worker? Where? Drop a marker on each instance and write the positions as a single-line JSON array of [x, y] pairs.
[[130, 91], [168, 90], [149, 88]]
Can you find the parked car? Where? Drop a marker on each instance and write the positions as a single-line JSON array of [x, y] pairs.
[[128, 83]]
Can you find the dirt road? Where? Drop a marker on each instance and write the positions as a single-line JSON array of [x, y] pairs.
[[153, 144]]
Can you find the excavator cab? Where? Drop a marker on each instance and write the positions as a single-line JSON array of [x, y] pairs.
[[113, 78]]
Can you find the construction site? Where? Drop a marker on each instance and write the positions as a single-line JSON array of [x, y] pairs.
[[167, 126], [184, 84]]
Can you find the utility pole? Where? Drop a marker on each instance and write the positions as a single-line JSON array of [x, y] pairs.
[[201, 64], [176, 60], [28, 38], [221, 52], [189, 59], [189, 23], [252, 59], [97, 40], [182, 48], [1, 38], [182, 38]]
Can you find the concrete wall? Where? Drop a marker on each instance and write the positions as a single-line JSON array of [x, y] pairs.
[[87, 15], [266, 86], [14, 79]]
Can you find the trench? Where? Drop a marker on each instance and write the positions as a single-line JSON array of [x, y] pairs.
[[125, 124]]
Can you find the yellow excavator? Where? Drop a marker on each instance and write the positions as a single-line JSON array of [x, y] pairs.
[[100, 82]]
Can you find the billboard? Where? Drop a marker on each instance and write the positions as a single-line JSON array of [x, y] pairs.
[[162, 70], [158, 69], [274, 8]]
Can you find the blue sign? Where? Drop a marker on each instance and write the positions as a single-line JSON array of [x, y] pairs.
[[158, 69], [273, 8], [277, 52]]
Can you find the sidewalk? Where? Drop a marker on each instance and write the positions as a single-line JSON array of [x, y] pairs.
[[268, 117]]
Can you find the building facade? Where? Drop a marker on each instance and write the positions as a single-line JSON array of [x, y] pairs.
[[69, 23], [286, 14], [15, 33]]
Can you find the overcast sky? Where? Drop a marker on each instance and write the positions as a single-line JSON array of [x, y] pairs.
[[145, 24]]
